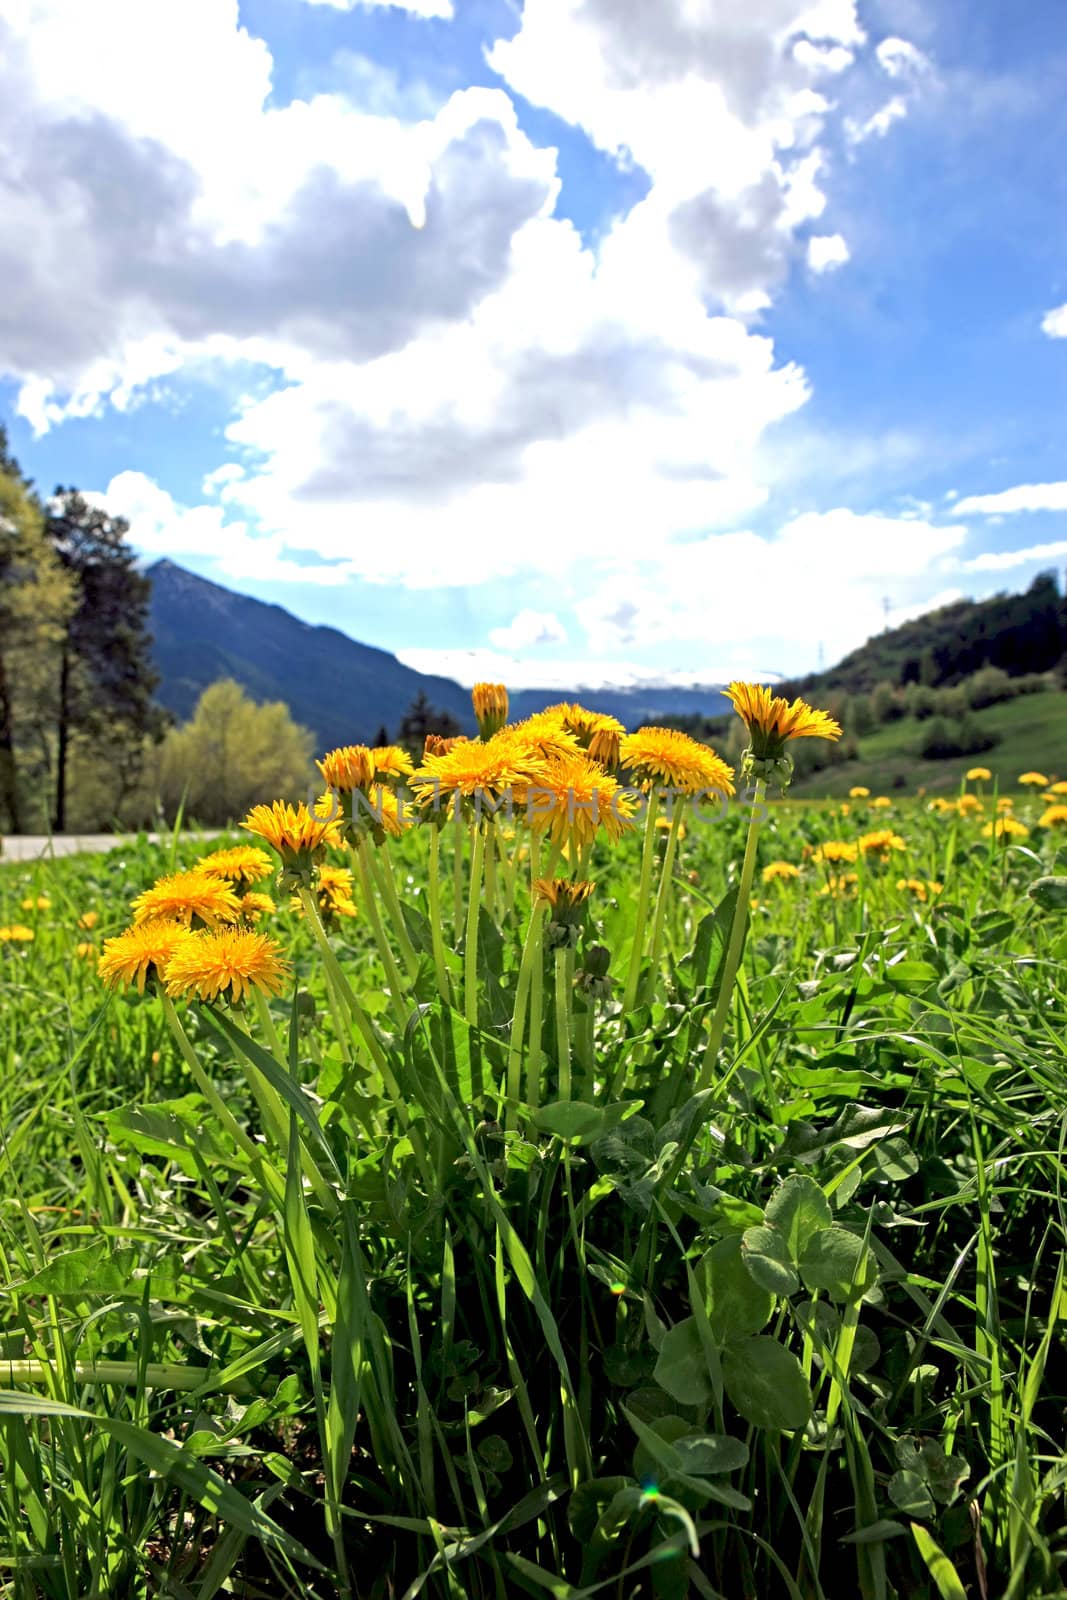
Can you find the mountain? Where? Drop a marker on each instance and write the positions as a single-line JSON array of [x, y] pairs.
[[634, 707], [340, 689]]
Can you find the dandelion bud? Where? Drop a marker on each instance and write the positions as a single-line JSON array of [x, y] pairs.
[[592, 976], [490, 701], [567, 899]]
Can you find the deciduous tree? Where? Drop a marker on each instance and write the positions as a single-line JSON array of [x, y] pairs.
[[36, 601], [234, 754]]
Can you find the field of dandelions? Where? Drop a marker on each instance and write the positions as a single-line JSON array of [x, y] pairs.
[[564, 1166]]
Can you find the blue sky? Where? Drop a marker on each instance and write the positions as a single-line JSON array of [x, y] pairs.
[[572, 340]]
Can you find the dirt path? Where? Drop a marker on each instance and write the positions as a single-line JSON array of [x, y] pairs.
[[33, 846]]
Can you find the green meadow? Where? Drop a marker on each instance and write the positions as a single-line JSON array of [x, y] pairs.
[[460, 1265]]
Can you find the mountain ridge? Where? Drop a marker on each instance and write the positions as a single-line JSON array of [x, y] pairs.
[[340, 688]]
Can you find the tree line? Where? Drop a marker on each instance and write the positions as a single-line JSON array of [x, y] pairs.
[[84, 744], [1018, 633], [76, 676]]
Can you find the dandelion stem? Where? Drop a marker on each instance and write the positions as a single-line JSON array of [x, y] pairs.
[[370, 905], [434, 907], [533, 1055], [457, 874], [382, 865], [274, 1112], [563, 1023], [665, 882], [490, 870], [154, 1375], [737, 938], [641, 913], [531, 957], [344, 989], [470, 948], [226, 1118]]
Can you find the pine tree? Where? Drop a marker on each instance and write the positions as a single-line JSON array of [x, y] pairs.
[[106, 679], [422, 718], [36, 601]]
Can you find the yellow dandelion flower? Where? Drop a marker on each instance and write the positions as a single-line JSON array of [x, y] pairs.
[[88, 920], [435, 745], [487, 771], [775, 870], [881, 844], [350, 767], [914, 886], [297, 834], [391, 763], [562, 894], [1033, 780], [1059, 788], [942, 805], [387, 814], [881, 802], [665, 755], [490, 701], [934, 887], [228, 960], [596, 732], [1005, 828], [1054, 817], [254, 906], [140, 953], [334, 889], [858, 792], [39, 902], [86, 950], [546, 734], [844, 883], [836, 850], [16, 933], [183, 896], [242, 864], [1005, 803], [771, 723], [979, 775], [968, 804], [571, 797]]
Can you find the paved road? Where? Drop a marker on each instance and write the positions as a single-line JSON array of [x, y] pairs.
[[32, 846]]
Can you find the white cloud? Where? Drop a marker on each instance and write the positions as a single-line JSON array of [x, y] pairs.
[[902, 59], [468, 667], [827, 251], [720, 106], [878, 124], [527, 629], [824, 576], [1004, 560], [463, 389], [140, 240], [1024, 497], [1054, 323], [417, 8], [159, 526]]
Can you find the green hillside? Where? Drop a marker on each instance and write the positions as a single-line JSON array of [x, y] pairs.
[[1021, 633], [1032, 735]]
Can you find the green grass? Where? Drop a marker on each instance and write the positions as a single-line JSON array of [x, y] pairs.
[[348, 1296], [1032, 735]]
